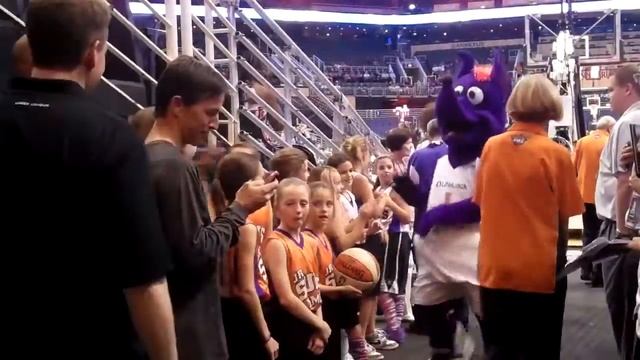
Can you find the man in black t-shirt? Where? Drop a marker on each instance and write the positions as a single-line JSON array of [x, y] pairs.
[[188, 98], [83, 259]]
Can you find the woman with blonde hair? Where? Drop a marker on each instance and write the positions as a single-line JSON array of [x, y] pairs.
[[526, 189]]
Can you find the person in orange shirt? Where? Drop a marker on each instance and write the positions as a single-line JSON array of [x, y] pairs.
[[587, 162], [243, 283], [526, 189], [290, 257]]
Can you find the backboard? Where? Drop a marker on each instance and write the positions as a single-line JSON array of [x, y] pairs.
[[597, 37]]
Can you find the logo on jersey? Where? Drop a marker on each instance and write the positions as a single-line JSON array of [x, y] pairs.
[[519, 139], [260, 268], [306, 286], [451, 185], [330, 276]]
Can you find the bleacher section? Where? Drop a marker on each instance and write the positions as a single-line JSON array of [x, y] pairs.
[[348, 75]]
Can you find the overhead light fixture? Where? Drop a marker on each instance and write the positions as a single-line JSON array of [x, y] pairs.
[[412, 7], [288, 15]]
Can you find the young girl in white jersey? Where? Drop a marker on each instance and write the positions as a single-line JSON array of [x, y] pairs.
[[397, 219]]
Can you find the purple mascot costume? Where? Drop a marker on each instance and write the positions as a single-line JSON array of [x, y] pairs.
[[470, 110]]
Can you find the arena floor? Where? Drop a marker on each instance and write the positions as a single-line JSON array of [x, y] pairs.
[[587, 330]]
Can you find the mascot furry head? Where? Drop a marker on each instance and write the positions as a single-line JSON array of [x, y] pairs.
[[471, 108]]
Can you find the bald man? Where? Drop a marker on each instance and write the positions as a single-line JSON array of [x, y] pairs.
[[22, 62], [587, 163]]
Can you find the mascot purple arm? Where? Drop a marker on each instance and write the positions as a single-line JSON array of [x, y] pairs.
[[470, 109]]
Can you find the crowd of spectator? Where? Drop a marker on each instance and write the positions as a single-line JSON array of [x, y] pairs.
[[354, 75]]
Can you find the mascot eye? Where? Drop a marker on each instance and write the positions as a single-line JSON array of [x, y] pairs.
[[475, 95], [459, 89]]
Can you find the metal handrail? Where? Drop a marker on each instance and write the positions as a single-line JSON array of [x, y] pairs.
[[282, 56], [287, 82], [245, 136], [319, 75], [105, 80], [276, 115], [262, 80]]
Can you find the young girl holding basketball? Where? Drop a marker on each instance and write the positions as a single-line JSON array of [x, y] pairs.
[[339, 303], [244, 280], [290, 258], [344, 230], [397, 219]]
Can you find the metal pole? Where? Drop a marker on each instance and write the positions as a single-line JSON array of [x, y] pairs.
[[618, 26], [234, 123], [244, 136], [209, 49], [287, 90], [137, 33], [172, 31], [12, 16], [186, 30]]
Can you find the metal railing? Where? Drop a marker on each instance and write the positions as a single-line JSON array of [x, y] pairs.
[[344, 114], [324, 100], [111, 48]]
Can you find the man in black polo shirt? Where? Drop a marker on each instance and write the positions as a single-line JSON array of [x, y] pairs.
[[83, 261]]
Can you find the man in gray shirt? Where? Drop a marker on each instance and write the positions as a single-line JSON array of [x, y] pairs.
[[189, 95], [613, 196]]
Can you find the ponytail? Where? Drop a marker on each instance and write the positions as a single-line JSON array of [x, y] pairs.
[[217, 196]]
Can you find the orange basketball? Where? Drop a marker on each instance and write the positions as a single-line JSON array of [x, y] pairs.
[[358, 268]]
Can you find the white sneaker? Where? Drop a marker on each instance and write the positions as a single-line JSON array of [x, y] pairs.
[[463, 343], [408, 318], [372, 354], [379, 341]]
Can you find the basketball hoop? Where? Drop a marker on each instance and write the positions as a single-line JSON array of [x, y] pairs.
[[593, 103], [593, 109]]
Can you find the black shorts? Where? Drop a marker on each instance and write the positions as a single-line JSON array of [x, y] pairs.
[[396, 263], [377, 248], [244, 340], [339, 314], [290, 332]]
